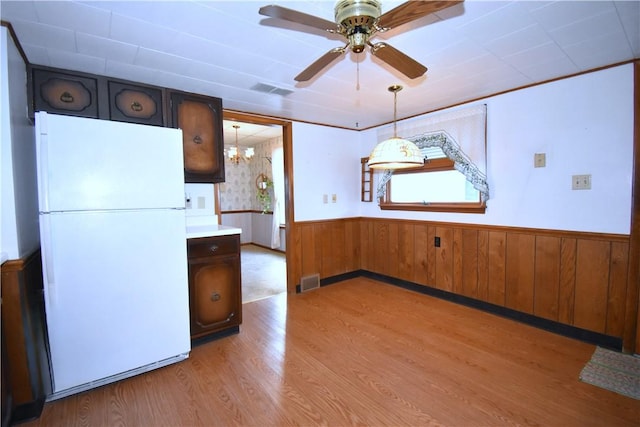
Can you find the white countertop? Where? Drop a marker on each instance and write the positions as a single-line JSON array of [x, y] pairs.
[[207, 226], [210, 230]]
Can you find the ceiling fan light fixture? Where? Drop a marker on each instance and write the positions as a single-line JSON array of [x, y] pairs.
[[357, 19], [395, 152], [351, 13]]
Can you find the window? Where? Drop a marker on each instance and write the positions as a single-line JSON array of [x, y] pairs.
[[435, 186]]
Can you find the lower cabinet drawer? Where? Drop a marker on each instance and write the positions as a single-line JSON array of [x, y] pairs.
[[213, 246]]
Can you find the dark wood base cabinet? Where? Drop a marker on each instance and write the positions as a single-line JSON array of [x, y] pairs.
[[26, 375], [215, 296]]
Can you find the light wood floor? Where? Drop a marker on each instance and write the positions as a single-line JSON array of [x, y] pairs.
[[361, 352]]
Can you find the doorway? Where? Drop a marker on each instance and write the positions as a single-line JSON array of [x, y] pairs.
[[239, 202]]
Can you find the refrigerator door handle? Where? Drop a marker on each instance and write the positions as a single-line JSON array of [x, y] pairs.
[[47, 259], [42, 153]]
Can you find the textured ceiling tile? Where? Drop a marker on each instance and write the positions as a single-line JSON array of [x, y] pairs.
[[578, 31], [598, 52], [137, 32], [44, 35], [560, 13], [84, 63], [75, 16], [520, 40], [109, 49], [542, 71], [629, 13], [10, 10], [544, 53], [37, 54]]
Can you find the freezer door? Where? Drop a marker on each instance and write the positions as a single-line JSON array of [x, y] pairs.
[[90, 164], [116, 291]]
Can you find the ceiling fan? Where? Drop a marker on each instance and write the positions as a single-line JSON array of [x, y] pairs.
[[358, 21]]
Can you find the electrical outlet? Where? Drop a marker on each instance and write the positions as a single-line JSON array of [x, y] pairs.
[[334, 198], [436, 242], [539, 160], [581, 182], [325, 198]]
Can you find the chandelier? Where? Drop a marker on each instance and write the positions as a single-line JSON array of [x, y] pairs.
[[234, 152]]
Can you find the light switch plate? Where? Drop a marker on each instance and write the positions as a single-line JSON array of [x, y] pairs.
[[539, 160]]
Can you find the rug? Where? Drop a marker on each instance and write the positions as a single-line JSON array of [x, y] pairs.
[[613, 371]]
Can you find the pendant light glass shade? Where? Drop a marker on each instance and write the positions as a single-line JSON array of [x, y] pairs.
[[395, 153]]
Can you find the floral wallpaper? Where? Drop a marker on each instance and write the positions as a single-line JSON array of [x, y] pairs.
[[238, 192]]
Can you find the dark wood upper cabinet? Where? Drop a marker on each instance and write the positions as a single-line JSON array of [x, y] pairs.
[[200, 119], [135, 104], [64, 93], [79, 94]]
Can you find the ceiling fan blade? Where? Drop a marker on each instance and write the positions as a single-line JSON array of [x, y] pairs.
[[398, 60], [320, 63], [280, 12], [412, 10]]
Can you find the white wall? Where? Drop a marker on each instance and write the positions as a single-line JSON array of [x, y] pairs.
[[325, 161], [19, 211], [241, 220], [584, 125]]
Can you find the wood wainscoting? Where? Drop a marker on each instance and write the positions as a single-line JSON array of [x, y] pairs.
[[572, 278]]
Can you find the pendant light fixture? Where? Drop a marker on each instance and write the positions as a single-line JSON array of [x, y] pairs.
[[234, 152], [395, 153]]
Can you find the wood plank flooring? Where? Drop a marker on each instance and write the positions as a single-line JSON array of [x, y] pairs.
[[361, 352]]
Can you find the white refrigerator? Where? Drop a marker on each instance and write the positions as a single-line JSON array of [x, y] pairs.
[[113, 239]]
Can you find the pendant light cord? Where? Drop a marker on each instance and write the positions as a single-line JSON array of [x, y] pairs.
[[395, 89], [395, 113]]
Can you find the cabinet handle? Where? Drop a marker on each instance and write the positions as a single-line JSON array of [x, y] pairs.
[[136, 106], [197, 139], [215, 296], [66, 97], [213, 248]]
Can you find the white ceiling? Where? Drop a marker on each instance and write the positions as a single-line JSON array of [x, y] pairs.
[[225, 49]]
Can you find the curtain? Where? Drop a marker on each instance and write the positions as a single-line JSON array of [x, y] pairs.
[[277, 171], [461, 134]]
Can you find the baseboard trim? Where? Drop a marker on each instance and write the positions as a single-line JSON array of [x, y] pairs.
[[602, 340], [27, 412], [215, 336]]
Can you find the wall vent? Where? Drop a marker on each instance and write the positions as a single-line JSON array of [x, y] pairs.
[[308, 283]]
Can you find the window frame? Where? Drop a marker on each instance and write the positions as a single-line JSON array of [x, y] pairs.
[[433, 165]]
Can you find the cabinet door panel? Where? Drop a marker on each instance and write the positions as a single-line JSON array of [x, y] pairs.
[[64, 93], [200, 119], [135, 104], [215, 294]]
